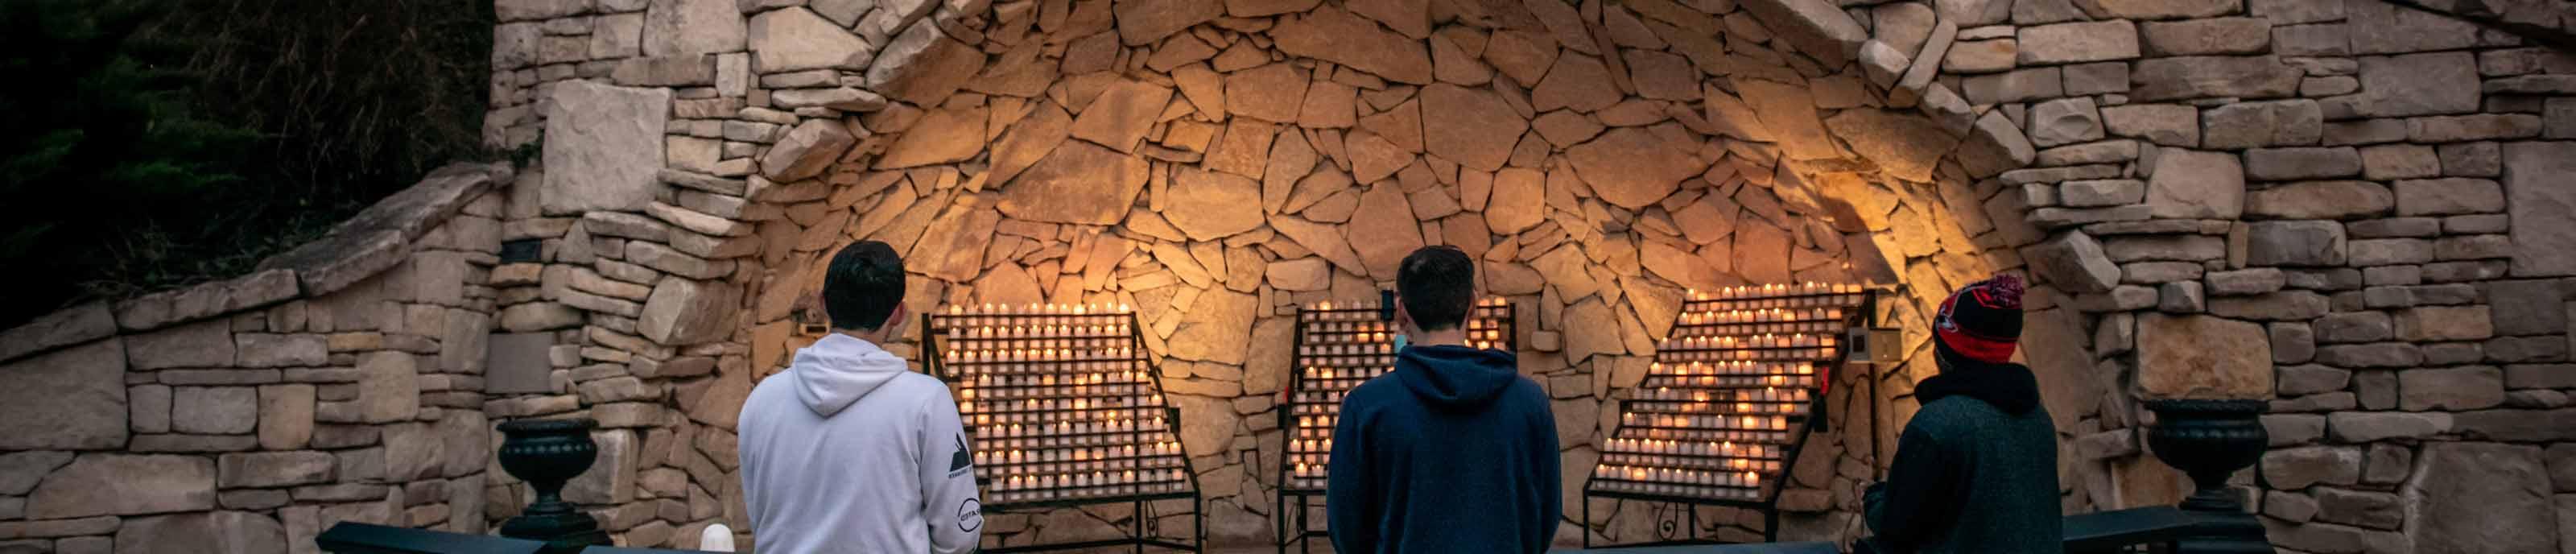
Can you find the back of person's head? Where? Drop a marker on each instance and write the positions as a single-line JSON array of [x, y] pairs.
[[1437, 285], [863, 286]]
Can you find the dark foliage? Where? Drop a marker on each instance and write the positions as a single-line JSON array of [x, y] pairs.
[[146, 144]]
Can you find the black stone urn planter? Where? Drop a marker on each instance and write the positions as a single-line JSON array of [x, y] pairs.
[[2209, 440], [547, 453]]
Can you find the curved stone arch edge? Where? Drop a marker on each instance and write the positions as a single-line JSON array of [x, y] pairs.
[[370, 242], [1814, 28]]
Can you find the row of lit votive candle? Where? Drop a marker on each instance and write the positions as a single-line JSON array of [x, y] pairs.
[[1781, 354], [1730, 368], [1006, 497], [1077, 392], [1684, 461], [1350, 363], [1320, 397], [1298, 405], [1317, 422], [1056, 379], [1036, 309], [1358, 349], [1692, 448], [1315, 427], [1314, 445], [1309, 469], [1752, 422], [1745, 479], [1727, 408], [1092, 479], [1749, 329], [1369, 326], [1372, 304], [1097, 440], [1107, 405], [1759, 291], [1028, 369], [1776, 301], [1774, 315], [1723, 395], [1790, 340], [1123, 454], [1329, 372], [1149, 405], [1068, 428], [1689, 407], [1059, 345], [1708, 381], [1024, 331], [988, 355]]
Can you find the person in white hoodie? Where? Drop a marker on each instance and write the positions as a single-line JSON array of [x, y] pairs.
[[847, 450]]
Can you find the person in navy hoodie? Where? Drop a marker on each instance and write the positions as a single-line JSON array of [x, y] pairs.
[[1454, 451]]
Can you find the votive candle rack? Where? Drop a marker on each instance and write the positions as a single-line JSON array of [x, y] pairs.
[[1729, 395], [1341, 345], [1059, 401]]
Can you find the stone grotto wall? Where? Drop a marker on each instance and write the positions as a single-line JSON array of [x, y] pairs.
[[1216, 166], [2350, 207], [342, 381]]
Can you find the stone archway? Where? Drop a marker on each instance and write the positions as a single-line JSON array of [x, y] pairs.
[[1214, 164]]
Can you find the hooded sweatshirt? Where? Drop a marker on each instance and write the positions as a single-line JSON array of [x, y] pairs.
[[1975, 470], [848, 451], [1453, 451]]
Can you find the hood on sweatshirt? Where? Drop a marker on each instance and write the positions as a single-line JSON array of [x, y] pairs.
[[839, 370], [2007, 386], [1455, 377]]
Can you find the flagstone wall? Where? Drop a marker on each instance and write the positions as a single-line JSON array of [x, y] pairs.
[[2351, 208], [2202, 190], [341, 381]]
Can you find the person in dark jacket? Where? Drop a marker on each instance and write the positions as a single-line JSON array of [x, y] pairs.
[[1454, 451], [1976, 470]]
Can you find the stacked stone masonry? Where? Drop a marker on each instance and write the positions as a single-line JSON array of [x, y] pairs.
[[2355, 209], [1217, 164], [342, 381]]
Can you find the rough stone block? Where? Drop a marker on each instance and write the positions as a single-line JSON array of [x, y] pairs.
[[2212, 76], [2456, 388], [2193, 37], [603, 146], [274, 469], [2480, 497], [212, 532], [2196, 185], [118, 484], [2295, 243], [2075, 261], [2194, 356], [2297, 468], [73, 398], [214, 410], [2078, 42], [2361, 427], [2457, 195], [2258, 124], [2320, 200]]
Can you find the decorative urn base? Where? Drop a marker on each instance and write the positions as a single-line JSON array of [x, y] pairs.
[[546, 453], [2209, 440]]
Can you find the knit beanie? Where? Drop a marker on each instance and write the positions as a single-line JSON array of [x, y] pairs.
[[1981, 323]]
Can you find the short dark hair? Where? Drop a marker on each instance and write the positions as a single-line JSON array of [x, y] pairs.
[[863, 285], [1437, 285]]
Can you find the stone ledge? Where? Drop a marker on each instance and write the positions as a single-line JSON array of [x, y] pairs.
[[373, 240]]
